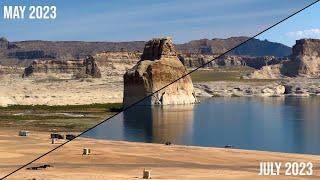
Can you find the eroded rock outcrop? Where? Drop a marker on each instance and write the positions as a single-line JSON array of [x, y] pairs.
[[121, 56], [91, 67], [158, 67], [305, 62], [84, 68], [253, 62], [209, 61], [306, 55], [267, 72], [194, 60], [116, 63]]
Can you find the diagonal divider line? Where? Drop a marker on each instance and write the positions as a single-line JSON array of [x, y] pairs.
[[130, 106]]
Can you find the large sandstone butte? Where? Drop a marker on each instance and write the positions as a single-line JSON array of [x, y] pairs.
[[304, 61], [158, 67], [84, 68]]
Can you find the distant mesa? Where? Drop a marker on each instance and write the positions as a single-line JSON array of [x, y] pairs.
[[158, 67], [22, 53], [253, 47], [79, 68]]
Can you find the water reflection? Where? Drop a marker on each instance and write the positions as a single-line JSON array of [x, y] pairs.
[[150, 124], [160, 124], [273, 124]]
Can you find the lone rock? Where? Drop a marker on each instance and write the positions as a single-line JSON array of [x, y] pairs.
[[158, 67]]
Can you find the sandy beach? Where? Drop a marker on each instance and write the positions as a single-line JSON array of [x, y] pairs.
[[126, 160]]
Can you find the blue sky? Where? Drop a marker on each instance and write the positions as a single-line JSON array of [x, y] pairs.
[[303, 25], [185, 20]]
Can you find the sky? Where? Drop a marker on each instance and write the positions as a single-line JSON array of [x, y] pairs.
[[303, 25], [185, 20]]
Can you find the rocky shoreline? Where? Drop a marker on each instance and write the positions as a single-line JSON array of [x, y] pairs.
[[18, 91], [293, 87]]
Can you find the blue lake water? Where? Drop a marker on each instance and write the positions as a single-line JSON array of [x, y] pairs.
[[283, 124]]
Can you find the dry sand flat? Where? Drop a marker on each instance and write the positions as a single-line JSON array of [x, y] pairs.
[[29, 91], [16, 151], [126, 160]]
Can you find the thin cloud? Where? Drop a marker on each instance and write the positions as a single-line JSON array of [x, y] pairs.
[[309, 33]]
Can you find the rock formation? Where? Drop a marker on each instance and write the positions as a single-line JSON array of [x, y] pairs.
[[267, 72], [83, 68], [4, 43], [305, 61], [158, 67], [192, 60], [306, 55], [116, 63], [123, 56], [253, 47], [228, 61], [91, 68], [22, 53], [197, 60]]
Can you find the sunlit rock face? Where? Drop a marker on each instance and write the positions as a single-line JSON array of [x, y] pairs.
[[306, 54], [86, 68], [158, 67], [304, 62]]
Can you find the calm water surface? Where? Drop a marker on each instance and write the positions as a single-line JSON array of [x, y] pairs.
[[270, 124]]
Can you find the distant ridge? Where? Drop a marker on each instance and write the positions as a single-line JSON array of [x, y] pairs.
[[22, 52], [254, 47]]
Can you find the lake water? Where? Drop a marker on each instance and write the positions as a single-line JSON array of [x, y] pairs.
[[283, 124]]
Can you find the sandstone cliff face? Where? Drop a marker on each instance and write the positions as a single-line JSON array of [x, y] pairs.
[[305, 61], [306, 55], [158, 67], [230, 61], [123, 56], [191, 60], [197, 60], [116, 63], [83, 68], [253, 62]]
